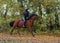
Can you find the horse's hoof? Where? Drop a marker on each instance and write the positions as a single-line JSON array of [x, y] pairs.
[[33, 35], [10, 33]]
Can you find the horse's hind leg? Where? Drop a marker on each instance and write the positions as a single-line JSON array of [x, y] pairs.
[[14, 26], [11, 31], [19, 32]]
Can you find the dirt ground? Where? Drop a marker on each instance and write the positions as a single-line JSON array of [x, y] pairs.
[[15, 38]]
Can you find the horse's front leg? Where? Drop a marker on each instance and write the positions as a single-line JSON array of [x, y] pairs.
[[34, 29], [32, 33], [31, 30]]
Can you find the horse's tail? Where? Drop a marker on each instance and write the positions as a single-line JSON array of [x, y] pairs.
[[11, 23]]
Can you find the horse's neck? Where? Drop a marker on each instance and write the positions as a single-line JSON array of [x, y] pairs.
[[32, 20]]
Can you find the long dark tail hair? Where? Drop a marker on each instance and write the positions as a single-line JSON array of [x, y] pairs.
[[11, 23]]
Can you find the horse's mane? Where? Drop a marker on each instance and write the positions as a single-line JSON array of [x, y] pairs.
[[32, 16]]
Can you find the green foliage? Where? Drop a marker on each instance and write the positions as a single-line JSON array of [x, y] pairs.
[[20, 0]]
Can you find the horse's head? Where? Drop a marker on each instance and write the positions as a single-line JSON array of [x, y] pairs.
[[35, 17]]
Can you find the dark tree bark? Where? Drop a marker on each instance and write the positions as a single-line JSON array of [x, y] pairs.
[[5, 13]]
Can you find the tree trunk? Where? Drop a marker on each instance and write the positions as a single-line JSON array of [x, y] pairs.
[[5, 13], [56, 19]]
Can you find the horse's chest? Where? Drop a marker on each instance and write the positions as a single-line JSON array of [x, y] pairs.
[[30, 22]]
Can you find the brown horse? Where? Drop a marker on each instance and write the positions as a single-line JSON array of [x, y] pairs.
[[29, 24]]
